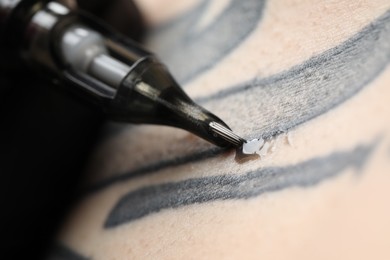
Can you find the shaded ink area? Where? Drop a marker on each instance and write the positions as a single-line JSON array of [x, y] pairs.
[[149, 200], [312, 88], [179, 42], [61, 252], [295, 96]]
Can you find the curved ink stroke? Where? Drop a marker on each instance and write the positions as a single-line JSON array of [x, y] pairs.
[[295, 96], [312, 88], [152, 199], [189, 52], [61, 252]]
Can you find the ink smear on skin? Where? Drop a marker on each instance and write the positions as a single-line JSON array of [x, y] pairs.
[[250, 150]]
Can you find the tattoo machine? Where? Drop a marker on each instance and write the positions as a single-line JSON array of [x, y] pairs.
[[79, 52]]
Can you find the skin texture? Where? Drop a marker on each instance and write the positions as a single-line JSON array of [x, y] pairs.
[[155, 198], [310, 78]]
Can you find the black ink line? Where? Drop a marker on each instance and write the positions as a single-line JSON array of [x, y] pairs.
[[61, 252], [152, 167], [152, 199], [188, 52], [295, 96]]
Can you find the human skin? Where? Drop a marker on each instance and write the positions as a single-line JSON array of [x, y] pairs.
[[311, 77]]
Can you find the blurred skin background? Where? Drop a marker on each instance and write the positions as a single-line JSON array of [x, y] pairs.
[[311, 77]]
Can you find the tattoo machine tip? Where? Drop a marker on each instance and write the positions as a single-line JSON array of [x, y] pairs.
[[226, 134]]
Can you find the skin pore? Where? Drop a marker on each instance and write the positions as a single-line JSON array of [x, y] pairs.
[[309, 77]]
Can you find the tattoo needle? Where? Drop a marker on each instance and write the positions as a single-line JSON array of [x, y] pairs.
[[226, 134]]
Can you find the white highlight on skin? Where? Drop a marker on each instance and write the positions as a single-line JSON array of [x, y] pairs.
[[252, 146], [289, 139], [262, 148]]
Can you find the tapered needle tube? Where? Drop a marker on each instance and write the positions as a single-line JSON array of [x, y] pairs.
[[127, 82]]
